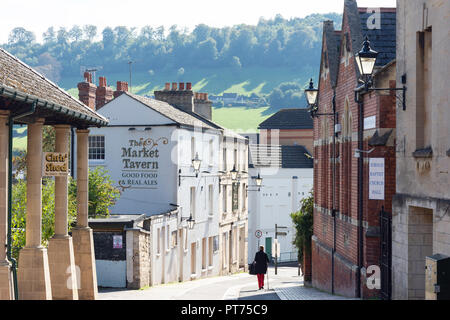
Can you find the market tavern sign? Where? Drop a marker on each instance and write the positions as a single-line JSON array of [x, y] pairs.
[[140, 163], [55, 164]]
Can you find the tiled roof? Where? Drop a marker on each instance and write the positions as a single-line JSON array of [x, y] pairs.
[[16, 75], [295, 157], [288, 119]]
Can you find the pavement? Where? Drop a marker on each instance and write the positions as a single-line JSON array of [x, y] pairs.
[[285, 285]]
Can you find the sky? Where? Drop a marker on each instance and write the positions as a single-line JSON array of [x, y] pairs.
[[38, 16]]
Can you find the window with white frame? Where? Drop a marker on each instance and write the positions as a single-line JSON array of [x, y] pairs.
[[192, 148], [224, 199], [211, 152], [96, 147], [158, 241], [210, 200]]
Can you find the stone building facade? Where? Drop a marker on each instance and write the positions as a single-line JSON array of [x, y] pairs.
[[346, 240], [421, 207]]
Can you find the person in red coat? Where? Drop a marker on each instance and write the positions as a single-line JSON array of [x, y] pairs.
[[261, 262]]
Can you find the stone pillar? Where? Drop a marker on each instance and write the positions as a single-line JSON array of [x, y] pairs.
[[33, 272], [60, 247], [6, 284], [83, 240]]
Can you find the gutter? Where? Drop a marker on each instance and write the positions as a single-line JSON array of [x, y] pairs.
[[54, 107], [9, 236]]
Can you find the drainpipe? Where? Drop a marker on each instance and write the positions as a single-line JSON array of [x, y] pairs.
[[9, 239], [359, 99], [333, 208]]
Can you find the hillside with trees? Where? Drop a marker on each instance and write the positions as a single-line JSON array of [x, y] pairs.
[[274, 58]]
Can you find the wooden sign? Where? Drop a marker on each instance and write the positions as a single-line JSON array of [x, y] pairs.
[[55, 164]]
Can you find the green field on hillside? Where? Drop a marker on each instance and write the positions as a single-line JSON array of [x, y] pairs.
[[258, 80], [241, 119]]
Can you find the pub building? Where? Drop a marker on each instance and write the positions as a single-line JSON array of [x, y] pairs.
[[171, 164], [66, 269]]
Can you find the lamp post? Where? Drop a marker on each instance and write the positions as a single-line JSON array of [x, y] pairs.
[[311, 97]]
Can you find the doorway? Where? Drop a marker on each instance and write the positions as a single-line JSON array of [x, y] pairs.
[[268, 247], [420, 245]]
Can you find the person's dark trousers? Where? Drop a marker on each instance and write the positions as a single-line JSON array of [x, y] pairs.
[[260, 280]]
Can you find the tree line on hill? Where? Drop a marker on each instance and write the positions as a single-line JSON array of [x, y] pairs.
[[277, 42]]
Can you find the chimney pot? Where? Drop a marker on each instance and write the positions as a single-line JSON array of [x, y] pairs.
[[206, 96], [181, 86], [86, 76], [174, 86], [167, 86], [102, 82], [188, 86]]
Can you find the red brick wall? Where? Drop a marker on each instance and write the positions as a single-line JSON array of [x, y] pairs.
[[346, 197]]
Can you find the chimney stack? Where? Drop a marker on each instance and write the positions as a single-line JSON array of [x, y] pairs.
[[104, 94], [202, 106], [182, 99], [122, 86], [87, 91]]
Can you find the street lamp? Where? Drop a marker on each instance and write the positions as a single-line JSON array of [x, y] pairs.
[[234, 173], [190, 222], [366, 58], [311, 94], [196, 163], [258, 180]]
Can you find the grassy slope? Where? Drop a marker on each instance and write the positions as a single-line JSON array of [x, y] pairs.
[[246, 81]]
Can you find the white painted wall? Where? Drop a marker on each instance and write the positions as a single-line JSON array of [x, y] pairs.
[[165, 189], [279, 196]]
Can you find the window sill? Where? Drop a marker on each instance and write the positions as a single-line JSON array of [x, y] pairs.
[[158, 255], [204, 270], [193, 276], [210, 216], [210, 268], [423, 153]]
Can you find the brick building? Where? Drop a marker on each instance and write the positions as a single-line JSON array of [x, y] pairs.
[[288, 127], [347, 235]]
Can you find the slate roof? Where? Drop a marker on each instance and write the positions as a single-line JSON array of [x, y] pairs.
[[15, 75], [294, 157], [333, 39], [288, 119], [382, 40]]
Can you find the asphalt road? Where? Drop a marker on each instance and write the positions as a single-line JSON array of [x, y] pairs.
[[239, 286]]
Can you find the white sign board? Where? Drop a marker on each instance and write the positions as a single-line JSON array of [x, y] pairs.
[[276, 248], [370, 122], [376, 178]]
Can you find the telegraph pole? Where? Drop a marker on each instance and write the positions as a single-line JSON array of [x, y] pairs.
[[129, 64]]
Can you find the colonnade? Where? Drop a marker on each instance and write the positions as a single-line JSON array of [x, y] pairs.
[[66, 269]]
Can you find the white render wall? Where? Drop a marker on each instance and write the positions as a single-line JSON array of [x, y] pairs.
[[279, 196], [165, 191]]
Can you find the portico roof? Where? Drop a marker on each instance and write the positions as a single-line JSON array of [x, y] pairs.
[[21, 84]]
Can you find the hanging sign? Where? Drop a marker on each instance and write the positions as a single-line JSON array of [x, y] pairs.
[[376, 178], [55, 164]]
